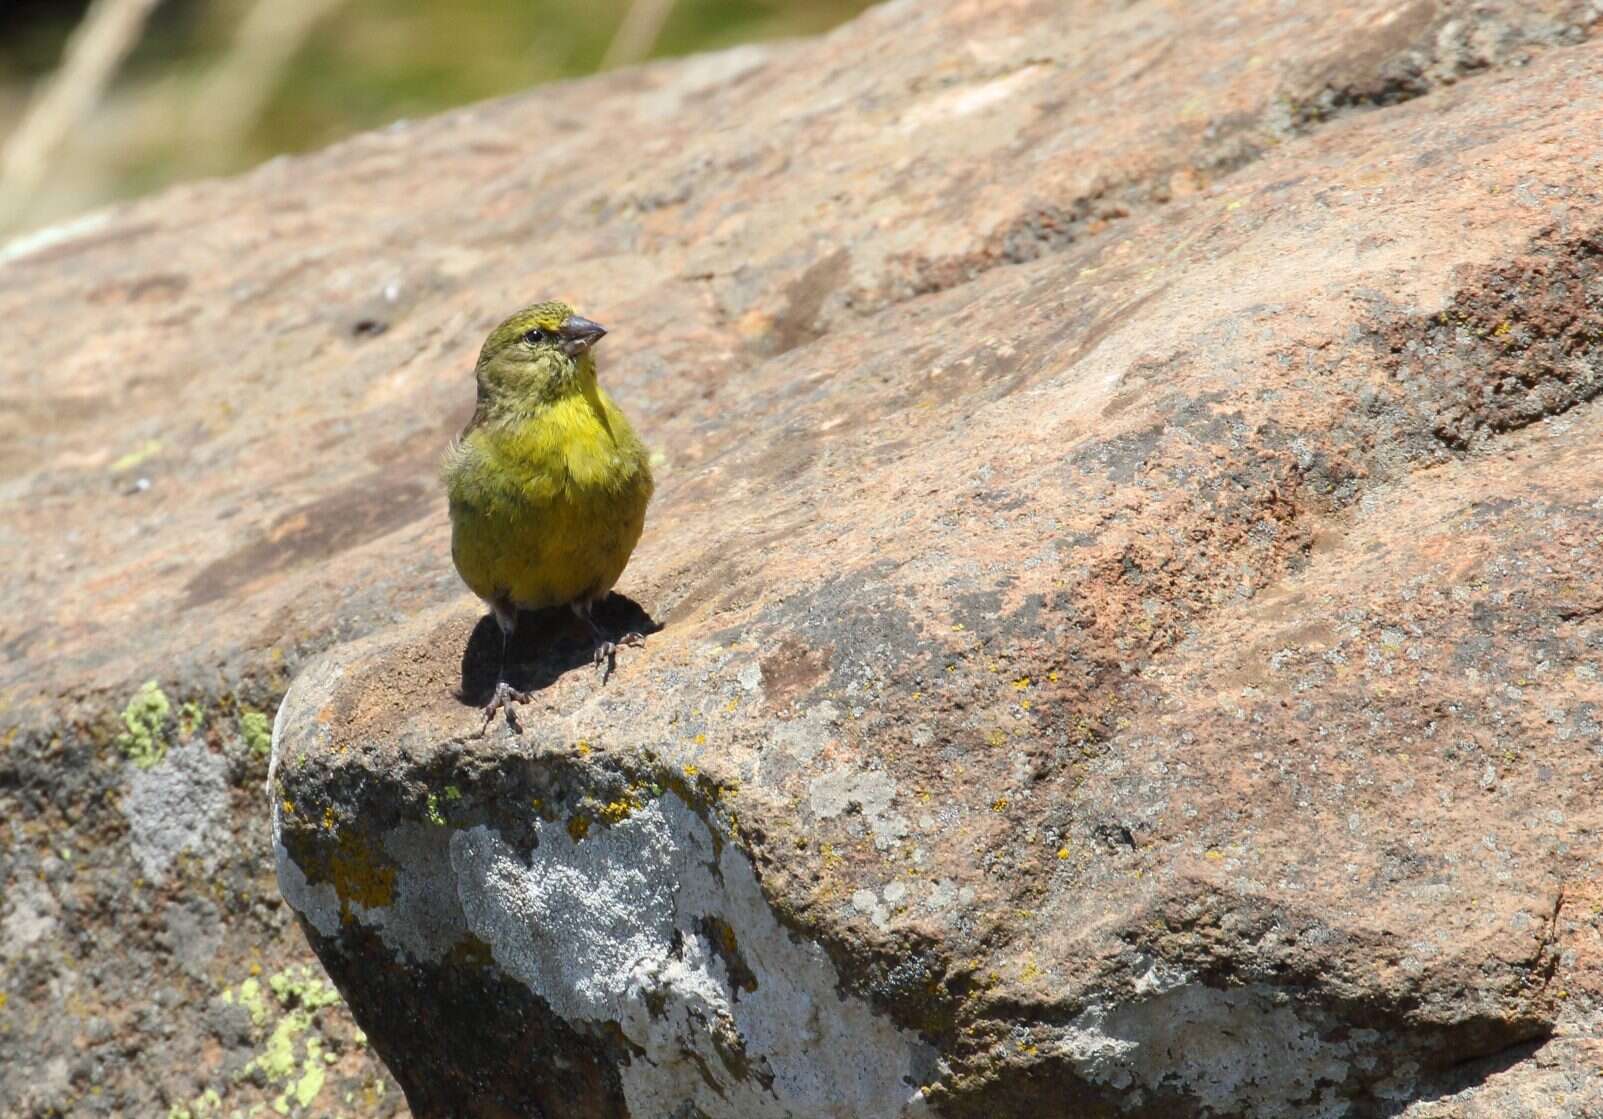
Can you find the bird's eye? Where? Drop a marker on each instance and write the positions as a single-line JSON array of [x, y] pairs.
[[535, 336]]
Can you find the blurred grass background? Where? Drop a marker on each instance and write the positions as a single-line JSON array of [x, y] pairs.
[[105, 99]]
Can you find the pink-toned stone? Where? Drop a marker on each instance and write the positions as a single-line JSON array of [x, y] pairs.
[[1124, 545]]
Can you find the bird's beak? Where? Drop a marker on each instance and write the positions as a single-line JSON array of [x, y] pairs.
[[579, 334]]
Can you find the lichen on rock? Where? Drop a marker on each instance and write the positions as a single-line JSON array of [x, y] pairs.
[[1126, 554], [176, 805], [646, 926], [293, 1057], [144, 720]]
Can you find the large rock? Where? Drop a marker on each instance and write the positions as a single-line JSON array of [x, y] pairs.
[[1126, 547]]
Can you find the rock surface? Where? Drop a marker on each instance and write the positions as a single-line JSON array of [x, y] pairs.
[[1127, 546]]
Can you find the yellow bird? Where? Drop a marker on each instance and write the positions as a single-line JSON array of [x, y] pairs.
[[548, 483]]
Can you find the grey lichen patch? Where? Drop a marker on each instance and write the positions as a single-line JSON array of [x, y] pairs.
[[863, 620], [318, 902], [424, 920], [650, 927], [802, 738], [193, 932], [870, 793], [607, 929], [1234, 1051], [33, 916], [178, 804]]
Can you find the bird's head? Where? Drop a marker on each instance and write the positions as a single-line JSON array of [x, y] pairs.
[[542, 353]]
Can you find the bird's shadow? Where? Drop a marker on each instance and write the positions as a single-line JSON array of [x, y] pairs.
[[544, 645]]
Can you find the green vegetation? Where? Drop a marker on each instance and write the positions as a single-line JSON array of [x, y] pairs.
[[204, 92]]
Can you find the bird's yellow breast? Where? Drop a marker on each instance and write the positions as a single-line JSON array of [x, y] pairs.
[[547, 507]]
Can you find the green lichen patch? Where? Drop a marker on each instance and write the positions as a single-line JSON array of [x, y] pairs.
[[294, 1055], [257, 731], [206, 1104], [191, 719], [145, 721], [250, 997], [300, 986]]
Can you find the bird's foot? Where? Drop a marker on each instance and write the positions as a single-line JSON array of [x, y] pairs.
[[606, 658], [504, 698]]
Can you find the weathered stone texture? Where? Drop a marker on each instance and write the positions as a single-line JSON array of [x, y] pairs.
[[1126, 547]]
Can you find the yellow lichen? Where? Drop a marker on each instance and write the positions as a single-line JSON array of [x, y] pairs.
[[358, 877], [617, 811]]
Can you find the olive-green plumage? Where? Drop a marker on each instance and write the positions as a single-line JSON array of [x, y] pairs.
[[548, 483]]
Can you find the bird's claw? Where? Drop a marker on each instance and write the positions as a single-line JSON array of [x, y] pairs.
[[606, 656], [504, 698]]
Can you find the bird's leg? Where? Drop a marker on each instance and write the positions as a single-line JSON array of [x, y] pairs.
[[606, 654], [506, 620]]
